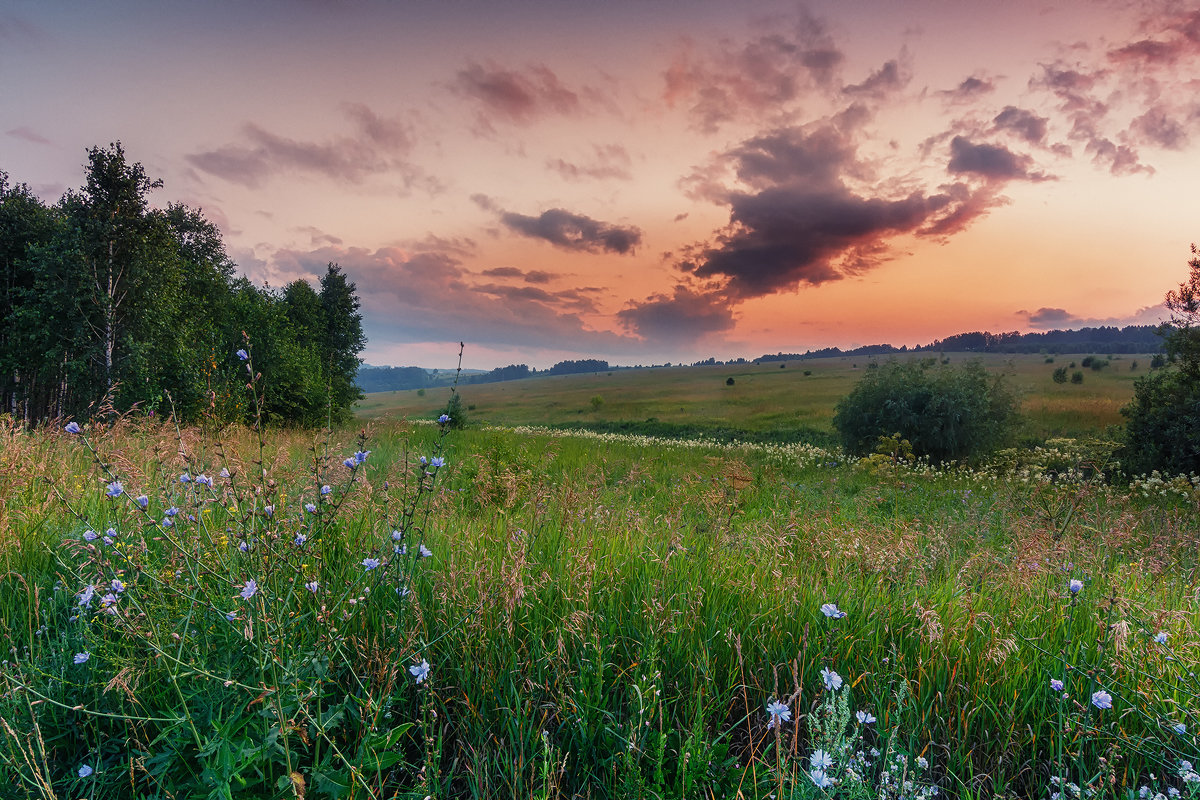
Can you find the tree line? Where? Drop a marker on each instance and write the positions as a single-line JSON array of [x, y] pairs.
[[107, 302]]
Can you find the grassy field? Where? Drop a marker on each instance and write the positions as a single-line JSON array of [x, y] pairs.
[[764, 397], [598, 616]]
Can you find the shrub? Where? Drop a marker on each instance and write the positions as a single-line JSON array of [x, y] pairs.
[[455, 411], [947, 413], [596, 402], [1060, 375], [1076, 377], [1087, 361], [729, 381]]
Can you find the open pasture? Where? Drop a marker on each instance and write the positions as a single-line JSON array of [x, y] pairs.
[[766, 397], [551, 615]]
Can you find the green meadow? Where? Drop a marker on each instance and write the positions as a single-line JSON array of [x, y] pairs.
[[537, 613], [765, 398]]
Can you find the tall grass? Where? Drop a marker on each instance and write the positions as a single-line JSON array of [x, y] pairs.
[[601, 616]]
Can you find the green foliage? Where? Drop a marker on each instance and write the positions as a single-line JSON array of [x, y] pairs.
[[109, 303], [455, 411], [947, 413], [1060, 375], [1162, 430], [596, 402], [1077, 377]]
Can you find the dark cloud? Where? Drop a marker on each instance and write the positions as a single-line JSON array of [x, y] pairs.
[[608, 161], [1148, 52], [798, 221], [727, 81], [378, 145], [889, 78], [531, 276], [677, 318], [517, 96], [990, 161], [1025, 124], [574, 231], [410, 296], [28, 134], [969, 90], [1159, 127]]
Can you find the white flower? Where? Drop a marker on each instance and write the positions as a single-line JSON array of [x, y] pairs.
[[420, 671], [831, 610], [820, 779], [779, 713], [865, 717], [832, 680], [820, 760]]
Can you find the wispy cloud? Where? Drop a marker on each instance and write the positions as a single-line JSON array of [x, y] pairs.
[[519, 96], [609, 161], [28, 134], [1046, 319], [377, 145]]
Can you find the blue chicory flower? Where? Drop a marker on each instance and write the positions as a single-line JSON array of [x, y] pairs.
[[72, 427], [115, 489]]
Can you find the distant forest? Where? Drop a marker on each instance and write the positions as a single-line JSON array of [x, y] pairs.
[[109, 303], [1106, 340]]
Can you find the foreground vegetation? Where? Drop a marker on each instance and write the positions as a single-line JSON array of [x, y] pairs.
[[597, 616]]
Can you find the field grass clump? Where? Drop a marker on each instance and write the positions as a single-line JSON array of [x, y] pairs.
[[599, 615]]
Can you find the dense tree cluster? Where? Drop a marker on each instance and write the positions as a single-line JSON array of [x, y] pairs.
[[1163, 427], [104, 297]]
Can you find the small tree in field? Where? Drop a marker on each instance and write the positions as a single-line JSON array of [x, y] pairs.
[[947, 413], [1163, 428]]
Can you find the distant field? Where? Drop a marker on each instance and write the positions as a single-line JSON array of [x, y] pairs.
[[763, 397]]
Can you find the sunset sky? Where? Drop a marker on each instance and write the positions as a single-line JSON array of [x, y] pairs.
[[646, 181]]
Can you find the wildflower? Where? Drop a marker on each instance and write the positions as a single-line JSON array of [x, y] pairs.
[[1179, 728], [242, 354], [1161, 637], [269, 510], [142, 500], [820, 760], [370, 563], [820, 779], [1076, 585], [1101, 699], [397, 536], [833, 681], [203, 480], [172, 511], [349, 463], [244, 547], [185, 478], [117, 586], [224, 472], [424, 461], [72, 427], [85, 771], [108, 603], [404, 592], [312, 586], [831, 610], [90, 536], [779, 712], [922, 763], [325, 489], [167, 522], [360, 456], [250, 589], [310, 508], [300, 540], [85, 597], [1056, 684], [424, 551], [114, 489], [865, 717], [420, 671], [443, 419], [437, 461], [82, 657], [231, 616]]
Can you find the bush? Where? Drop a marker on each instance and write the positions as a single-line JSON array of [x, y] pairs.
[[454, 410], [729, 381], [1060, 375], [1077, 377], [947, 413]]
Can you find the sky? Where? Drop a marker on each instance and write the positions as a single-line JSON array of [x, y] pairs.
[[646, 182]]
